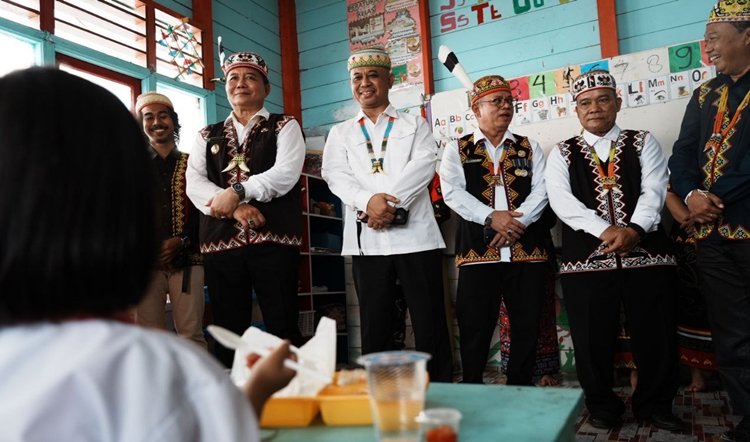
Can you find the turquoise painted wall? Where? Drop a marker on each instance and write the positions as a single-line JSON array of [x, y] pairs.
[[647, 24], [323, 44], [531, 36], [249, 25], [528, 36]]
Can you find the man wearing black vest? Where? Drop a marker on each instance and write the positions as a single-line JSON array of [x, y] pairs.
[[494, 180], [710, 167], [243, 175], [608, 187]]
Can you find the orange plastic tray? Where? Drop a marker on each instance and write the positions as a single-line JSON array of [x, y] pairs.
[[289, 412]]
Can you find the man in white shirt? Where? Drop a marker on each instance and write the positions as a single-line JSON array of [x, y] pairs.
[[608, 187], [379, 164], [494, 180], [243, 174]]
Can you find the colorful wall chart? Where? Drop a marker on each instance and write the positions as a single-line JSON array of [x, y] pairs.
[[394, 25], [648, 77]]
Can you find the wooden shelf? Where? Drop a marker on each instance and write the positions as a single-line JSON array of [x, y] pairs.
[[319, 268]]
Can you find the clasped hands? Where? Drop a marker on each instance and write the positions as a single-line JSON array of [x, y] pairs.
[[704, 207], [620, 240], [381, 210], [226, 204], [508, 228]]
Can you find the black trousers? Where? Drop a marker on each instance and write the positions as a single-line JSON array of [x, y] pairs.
[[724, 272], [481, 287], [421, 277], [593, 303], [269, 269]]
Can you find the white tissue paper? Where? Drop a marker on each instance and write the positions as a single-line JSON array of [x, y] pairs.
[[319, 354]]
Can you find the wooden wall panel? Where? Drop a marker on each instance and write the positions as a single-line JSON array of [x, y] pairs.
[[647, 24], [249, 25]]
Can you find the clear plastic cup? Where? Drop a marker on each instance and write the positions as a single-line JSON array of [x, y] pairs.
[[439, 424], [396, 382]]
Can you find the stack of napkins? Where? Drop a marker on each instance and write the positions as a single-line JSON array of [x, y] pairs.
[[319, 354]]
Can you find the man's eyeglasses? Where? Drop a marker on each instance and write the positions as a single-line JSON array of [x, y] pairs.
[[498, 102]]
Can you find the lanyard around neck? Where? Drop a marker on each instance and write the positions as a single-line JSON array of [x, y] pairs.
[[377, 163], [608, 179], [719, 135]]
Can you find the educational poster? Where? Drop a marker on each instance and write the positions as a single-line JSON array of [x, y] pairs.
[[643, 78], [393, 25]]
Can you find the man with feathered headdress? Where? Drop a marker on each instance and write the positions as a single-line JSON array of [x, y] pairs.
[[243, 174], [494, 180]]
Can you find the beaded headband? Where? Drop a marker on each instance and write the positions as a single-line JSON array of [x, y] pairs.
[[487, 85], [245, 59], [596, 79], [730, 11]]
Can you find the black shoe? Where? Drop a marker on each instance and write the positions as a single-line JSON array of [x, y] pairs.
[[736, 435], [668, 422], [603, 422]]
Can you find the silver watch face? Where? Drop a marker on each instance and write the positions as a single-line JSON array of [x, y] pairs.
[[239, 188]]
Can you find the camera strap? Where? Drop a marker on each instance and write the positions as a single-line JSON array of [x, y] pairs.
[[359, 241]]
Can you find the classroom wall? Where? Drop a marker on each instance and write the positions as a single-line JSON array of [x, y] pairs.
[[249, 25], [647, 24], [244, 25], [529, 36]]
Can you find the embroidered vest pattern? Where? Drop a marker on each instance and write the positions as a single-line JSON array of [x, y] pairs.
[[582, 252], [259, 156], [516, 169]]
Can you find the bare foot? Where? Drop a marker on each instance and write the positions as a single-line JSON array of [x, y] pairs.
[[548, 380]]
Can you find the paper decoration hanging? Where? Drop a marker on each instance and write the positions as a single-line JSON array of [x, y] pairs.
[[182, 46]]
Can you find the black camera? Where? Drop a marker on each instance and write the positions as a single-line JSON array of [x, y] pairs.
[[402, 216]]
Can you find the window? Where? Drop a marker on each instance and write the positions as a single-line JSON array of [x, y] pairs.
[[190, 109], [17, 53], [25, 12], [123, 87], [140, 32], [114, 28]]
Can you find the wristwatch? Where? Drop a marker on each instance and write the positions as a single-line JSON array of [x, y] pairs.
[[239, 189]]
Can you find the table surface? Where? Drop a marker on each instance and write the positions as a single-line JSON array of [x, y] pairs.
[[490, 412]]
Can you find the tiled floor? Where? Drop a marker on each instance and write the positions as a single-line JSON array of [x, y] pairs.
[[706, 416]]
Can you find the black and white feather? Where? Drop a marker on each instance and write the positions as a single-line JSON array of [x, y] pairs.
[[450, 61]]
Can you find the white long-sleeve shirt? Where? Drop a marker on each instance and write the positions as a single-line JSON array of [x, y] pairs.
[[104, 381], [409, 165], [453, 185], [263, 187], [576, 215]]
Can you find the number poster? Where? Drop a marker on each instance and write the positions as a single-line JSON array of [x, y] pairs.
[[643, 78]]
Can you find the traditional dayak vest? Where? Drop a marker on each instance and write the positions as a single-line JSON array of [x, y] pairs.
[[732, 224], [183, 211], [582, 252], [535, 244], [258, 152]]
